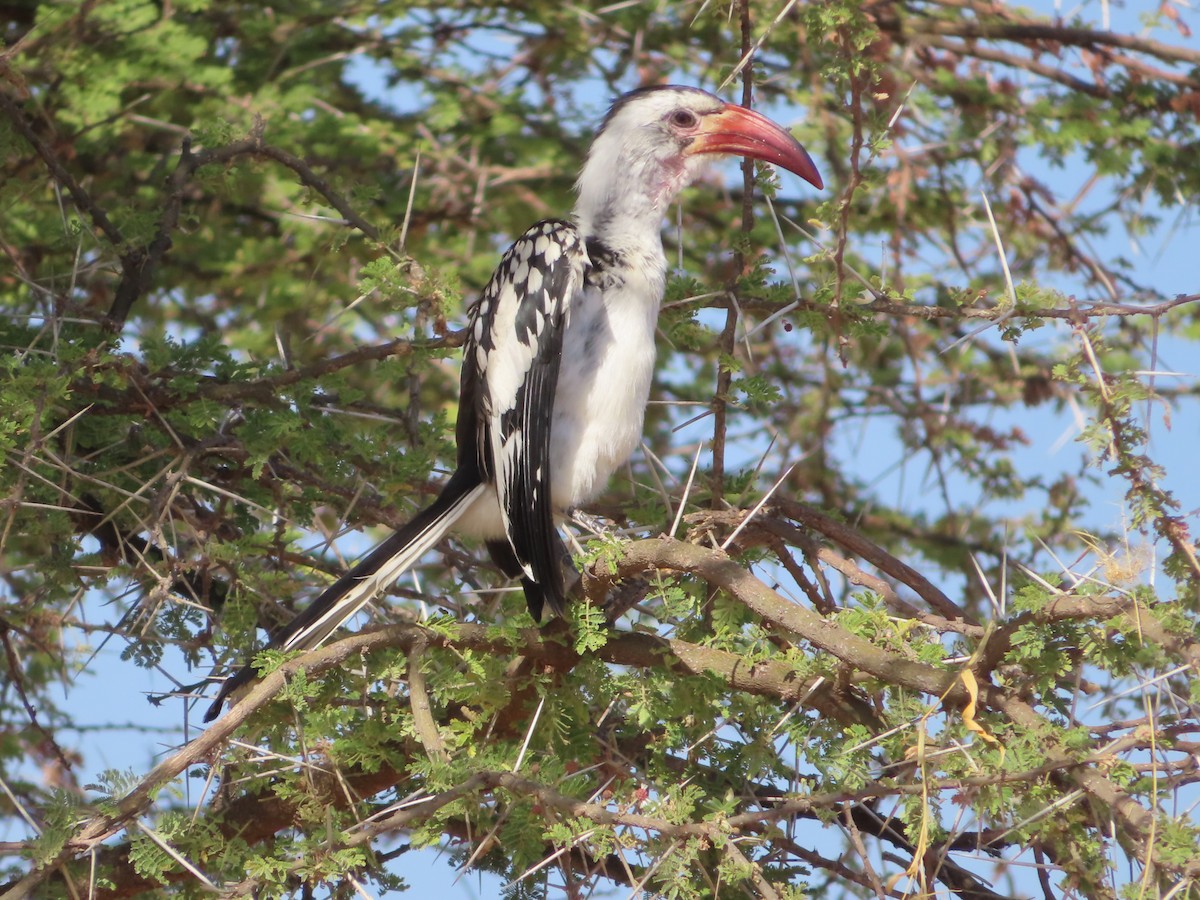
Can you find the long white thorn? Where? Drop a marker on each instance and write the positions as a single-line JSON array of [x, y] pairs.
[[529, 735], [687, 489]]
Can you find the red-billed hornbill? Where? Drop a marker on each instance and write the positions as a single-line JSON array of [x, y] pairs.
[[559, 355]]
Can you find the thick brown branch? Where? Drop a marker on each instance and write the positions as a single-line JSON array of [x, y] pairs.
[[716, 567], [1135, 824]]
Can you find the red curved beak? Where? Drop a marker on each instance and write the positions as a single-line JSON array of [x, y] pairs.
[[744, 132]]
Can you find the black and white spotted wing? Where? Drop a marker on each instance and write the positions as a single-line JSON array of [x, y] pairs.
[[514, 353]]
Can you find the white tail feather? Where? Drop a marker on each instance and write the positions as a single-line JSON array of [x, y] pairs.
[[374, 584]]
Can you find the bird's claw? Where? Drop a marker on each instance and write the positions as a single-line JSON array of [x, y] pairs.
[[588, 522]]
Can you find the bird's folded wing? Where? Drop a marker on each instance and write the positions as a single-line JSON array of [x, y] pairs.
[[517, 339]]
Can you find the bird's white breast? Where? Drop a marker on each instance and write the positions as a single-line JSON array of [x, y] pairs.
[[604, 377]]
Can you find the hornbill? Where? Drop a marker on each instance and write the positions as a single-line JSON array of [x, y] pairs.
[[559, 356]]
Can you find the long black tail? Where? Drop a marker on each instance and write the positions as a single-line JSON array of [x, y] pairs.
[[379, 569]]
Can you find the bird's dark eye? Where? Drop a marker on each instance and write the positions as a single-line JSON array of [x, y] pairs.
[[683, 118]]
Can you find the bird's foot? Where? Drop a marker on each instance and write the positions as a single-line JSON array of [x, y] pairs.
[[595, 524]]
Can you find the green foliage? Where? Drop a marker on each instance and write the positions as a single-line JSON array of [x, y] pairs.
[[281, 387], [60, 812], [590, 628], [112, 785]]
